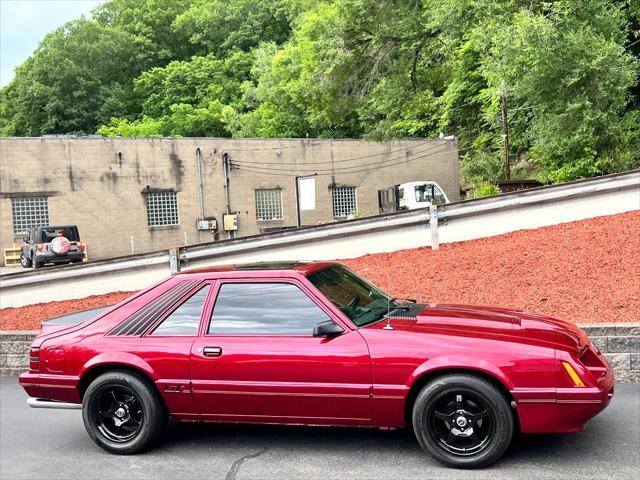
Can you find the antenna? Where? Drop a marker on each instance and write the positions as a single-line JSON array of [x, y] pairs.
[[388, 325]]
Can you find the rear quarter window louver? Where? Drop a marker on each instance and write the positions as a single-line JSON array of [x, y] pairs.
[[141, 320]]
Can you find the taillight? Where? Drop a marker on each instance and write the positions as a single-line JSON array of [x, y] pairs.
[[81, 245], [34, 358], [40, 247]]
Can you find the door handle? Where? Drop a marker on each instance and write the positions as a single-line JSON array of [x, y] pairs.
[[212, 351]]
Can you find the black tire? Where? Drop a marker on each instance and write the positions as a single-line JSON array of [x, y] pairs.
[[78, 260], [36, 264], [24, 261], [107, 401], [463, 421]]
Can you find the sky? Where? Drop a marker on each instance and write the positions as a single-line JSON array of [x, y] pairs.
[[23, 23]]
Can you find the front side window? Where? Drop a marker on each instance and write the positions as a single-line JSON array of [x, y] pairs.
[[424, 193], [344, 201], [429, 193], [357, 299], [162, 209], [28, 213], [269, 204], [184, 320], [438, 196], [264, 309]]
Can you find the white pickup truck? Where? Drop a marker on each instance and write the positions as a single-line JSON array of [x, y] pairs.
[[411, 195]]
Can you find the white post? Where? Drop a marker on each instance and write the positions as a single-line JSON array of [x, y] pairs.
[[174, 260], [433, 224]]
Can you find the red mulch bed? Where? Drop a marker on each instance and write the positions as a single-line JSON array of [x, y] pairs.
[[30, 316], [585, 272]]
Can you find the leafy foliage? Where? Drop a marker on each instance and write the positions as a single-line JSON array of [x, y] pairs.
[[351, 68], [485, 190]]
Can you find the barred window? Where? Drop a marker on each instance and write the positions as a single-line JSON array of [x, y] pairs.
[[345, 201], [28, 213], [269, 204], [162, 209]]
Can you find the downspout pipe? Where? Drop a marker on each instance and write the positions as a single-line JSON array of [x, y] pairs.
[[199, 180]]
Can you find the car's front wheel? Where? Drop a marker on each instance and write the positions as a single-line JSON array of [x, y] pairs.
[[123, 413], [463, 421]]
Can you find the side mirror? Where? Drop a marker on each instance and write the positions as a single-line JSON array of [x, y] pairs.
[[328, 328]]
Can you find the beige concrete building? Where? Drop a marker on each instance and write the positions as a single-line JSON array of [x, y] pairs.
[[134, 195]]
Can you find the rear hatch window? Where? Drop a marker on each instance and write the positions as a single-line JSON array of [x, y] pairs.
[[49, 233]]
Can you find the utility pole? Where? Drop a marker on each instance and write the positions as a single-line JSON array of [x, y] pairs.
[[505, 133]]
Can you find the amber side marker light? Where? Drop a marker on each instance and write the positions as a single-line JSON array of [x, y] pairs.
[[575, 378]]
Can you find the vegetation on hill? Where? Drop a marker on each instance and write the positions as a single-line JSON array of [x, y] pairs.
[[566, 71]]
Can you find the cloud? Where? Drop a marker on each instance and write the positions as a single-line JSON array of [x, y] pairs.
[[24, 23]]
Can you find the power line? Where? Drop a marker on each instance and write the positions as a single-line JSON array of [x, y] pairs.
[[344, 160], [291, 175], [268, 148], [311, 169]]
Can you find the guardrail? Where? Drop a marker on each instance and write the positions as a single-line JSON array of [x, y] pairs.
[[474, 218]]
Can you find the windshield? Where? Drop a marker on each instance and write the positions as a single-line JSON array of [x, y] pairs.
[[429, 193], [357, 299]]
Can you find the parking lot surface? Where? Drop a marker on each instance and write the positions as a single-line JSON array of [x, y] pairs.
[[52, 444]]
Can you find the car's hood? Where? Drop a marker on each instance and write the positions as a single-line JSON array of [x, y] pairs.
[[494, 322]]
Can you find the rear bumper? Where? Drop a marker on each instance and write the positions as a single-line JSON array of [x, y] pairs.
[[53, 258], [59, 388]]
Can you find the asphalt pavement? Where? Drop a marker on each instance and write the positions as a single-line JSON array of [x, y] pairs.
[[52, 444]]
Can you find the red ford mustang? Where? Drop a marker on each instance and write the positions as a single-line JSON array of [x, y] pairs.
[[314, 344]]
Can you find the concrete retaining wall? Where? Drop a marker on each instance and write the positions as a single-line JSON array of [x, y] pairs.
[[14, 351], [621, 345], [619, 342]]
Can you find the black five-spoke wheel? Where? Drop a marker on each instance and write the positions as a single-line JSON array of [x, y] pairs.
[[119, 413], [122, 412], [463, 421]]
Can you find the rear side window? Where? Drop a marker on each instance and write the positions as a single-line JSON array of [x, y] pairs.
[[264, 309], [184, 320]]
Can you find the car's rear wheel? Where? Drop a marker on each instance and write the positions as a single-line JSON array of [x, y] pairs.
[[463, 421], [35, 263], [123, 413], [24, 261]]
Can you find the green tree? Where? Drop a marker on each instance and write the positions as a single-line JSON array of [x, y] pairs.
[[222, 26], [75, 80], [151, 22]]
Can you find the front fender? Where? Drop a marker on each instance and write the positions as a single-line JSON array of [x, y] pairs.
[[462, 362]]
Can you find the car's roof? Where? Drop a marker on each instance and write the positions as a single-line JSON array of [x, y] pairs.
[[300, 267], [57, 226]]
